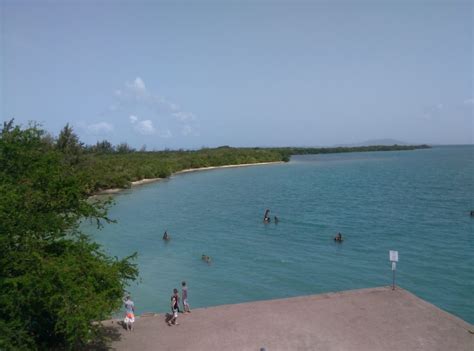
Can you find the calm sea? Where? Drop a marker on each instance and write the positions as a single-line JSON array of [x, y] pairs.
[[416, 202]]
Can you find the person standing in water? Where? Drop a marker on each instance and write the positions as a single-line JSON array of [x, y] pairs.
[[206, 258], [266, 216]]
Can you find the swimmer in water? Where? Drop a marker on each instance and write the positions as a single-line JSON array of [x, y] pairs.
[[166, 237], [338, 237], [266, 216], [206, 258]]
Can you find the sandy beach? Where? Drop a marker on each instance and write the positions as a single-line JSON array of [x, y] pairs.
[[152, 180], [227, 166], [367, 319]]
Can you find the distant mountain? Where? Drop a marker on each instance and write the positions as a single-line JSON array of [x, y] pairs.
[[373, 142]]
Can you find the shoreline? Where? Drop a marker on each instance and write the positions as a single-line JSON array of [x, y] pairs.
[[368, 319], [321, 296], [188, 170], [226, 166]]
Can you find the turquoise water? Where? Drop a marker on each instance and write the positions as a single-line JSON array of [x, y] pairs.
[[416, 202]]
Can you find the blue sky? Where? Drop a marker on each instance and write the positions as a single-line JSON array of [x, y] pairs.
[[187, 74]]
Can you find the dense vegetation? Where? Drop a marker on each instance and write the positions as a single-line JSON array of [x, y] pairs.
[[105, 166], [116, 168], [55, 283]]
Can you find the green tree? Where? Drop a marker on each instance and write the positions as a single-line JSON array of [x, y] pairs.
[[55, 283], [124, 148], [68, 143], [104, 146]]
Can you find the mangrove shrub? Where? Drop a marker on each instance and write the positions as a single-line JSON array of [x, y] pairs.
[[55, 283]]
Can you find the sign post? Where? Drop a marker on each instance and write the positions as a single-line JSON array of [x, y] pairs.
[[394, 259]]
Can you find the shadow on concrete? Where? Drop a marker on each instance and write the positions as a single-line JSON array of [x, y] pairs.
[[108, 334]]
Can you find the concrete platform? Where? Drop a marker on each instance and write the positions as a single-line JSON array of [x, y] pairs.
[[368, 319]]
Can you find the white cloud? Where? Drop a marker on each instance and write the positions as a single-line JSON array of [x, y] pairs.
[[184, 116], [137, 94], [138, 86], [469, 101], [145, 127], [135, 97], [100, 128]]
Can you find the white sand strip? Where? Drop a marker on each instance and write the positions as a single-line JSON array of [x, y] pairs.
[[152, 180]]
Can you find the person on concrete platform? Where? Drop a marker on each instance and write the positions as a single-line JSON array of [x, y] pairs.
[[174, 308]]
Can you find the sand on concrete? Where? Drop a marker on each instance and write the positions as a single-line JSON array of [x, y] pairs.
[[367, 319], [152, 180]]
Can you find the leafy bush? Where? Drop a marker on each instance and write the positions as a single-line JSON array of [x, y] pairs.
[[54, 282]]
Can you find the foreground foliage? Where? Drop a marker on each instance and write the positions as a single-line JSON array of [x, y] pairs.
[[54, 282]]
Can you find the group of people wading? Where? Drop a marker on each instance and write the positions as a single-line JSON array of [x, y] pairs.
[[266, 219], [171, 319]]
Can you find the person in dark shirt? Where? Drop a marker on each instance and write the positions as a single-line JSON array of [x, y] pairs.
[[174, 307]]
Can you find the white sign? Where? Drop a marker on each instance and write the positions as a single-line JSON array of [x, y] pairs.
[[393, 256], [394, 266]]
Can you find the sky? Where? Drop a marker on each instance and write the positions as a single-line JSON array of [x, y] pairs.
[[191, 74]]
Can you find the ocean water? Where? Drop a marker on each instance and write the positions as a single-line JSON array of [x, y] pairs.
[[416, 202]]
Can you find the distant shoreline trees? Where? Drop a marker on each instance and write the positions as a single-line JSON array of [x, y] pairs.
[[105, 166], [121, 165]]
